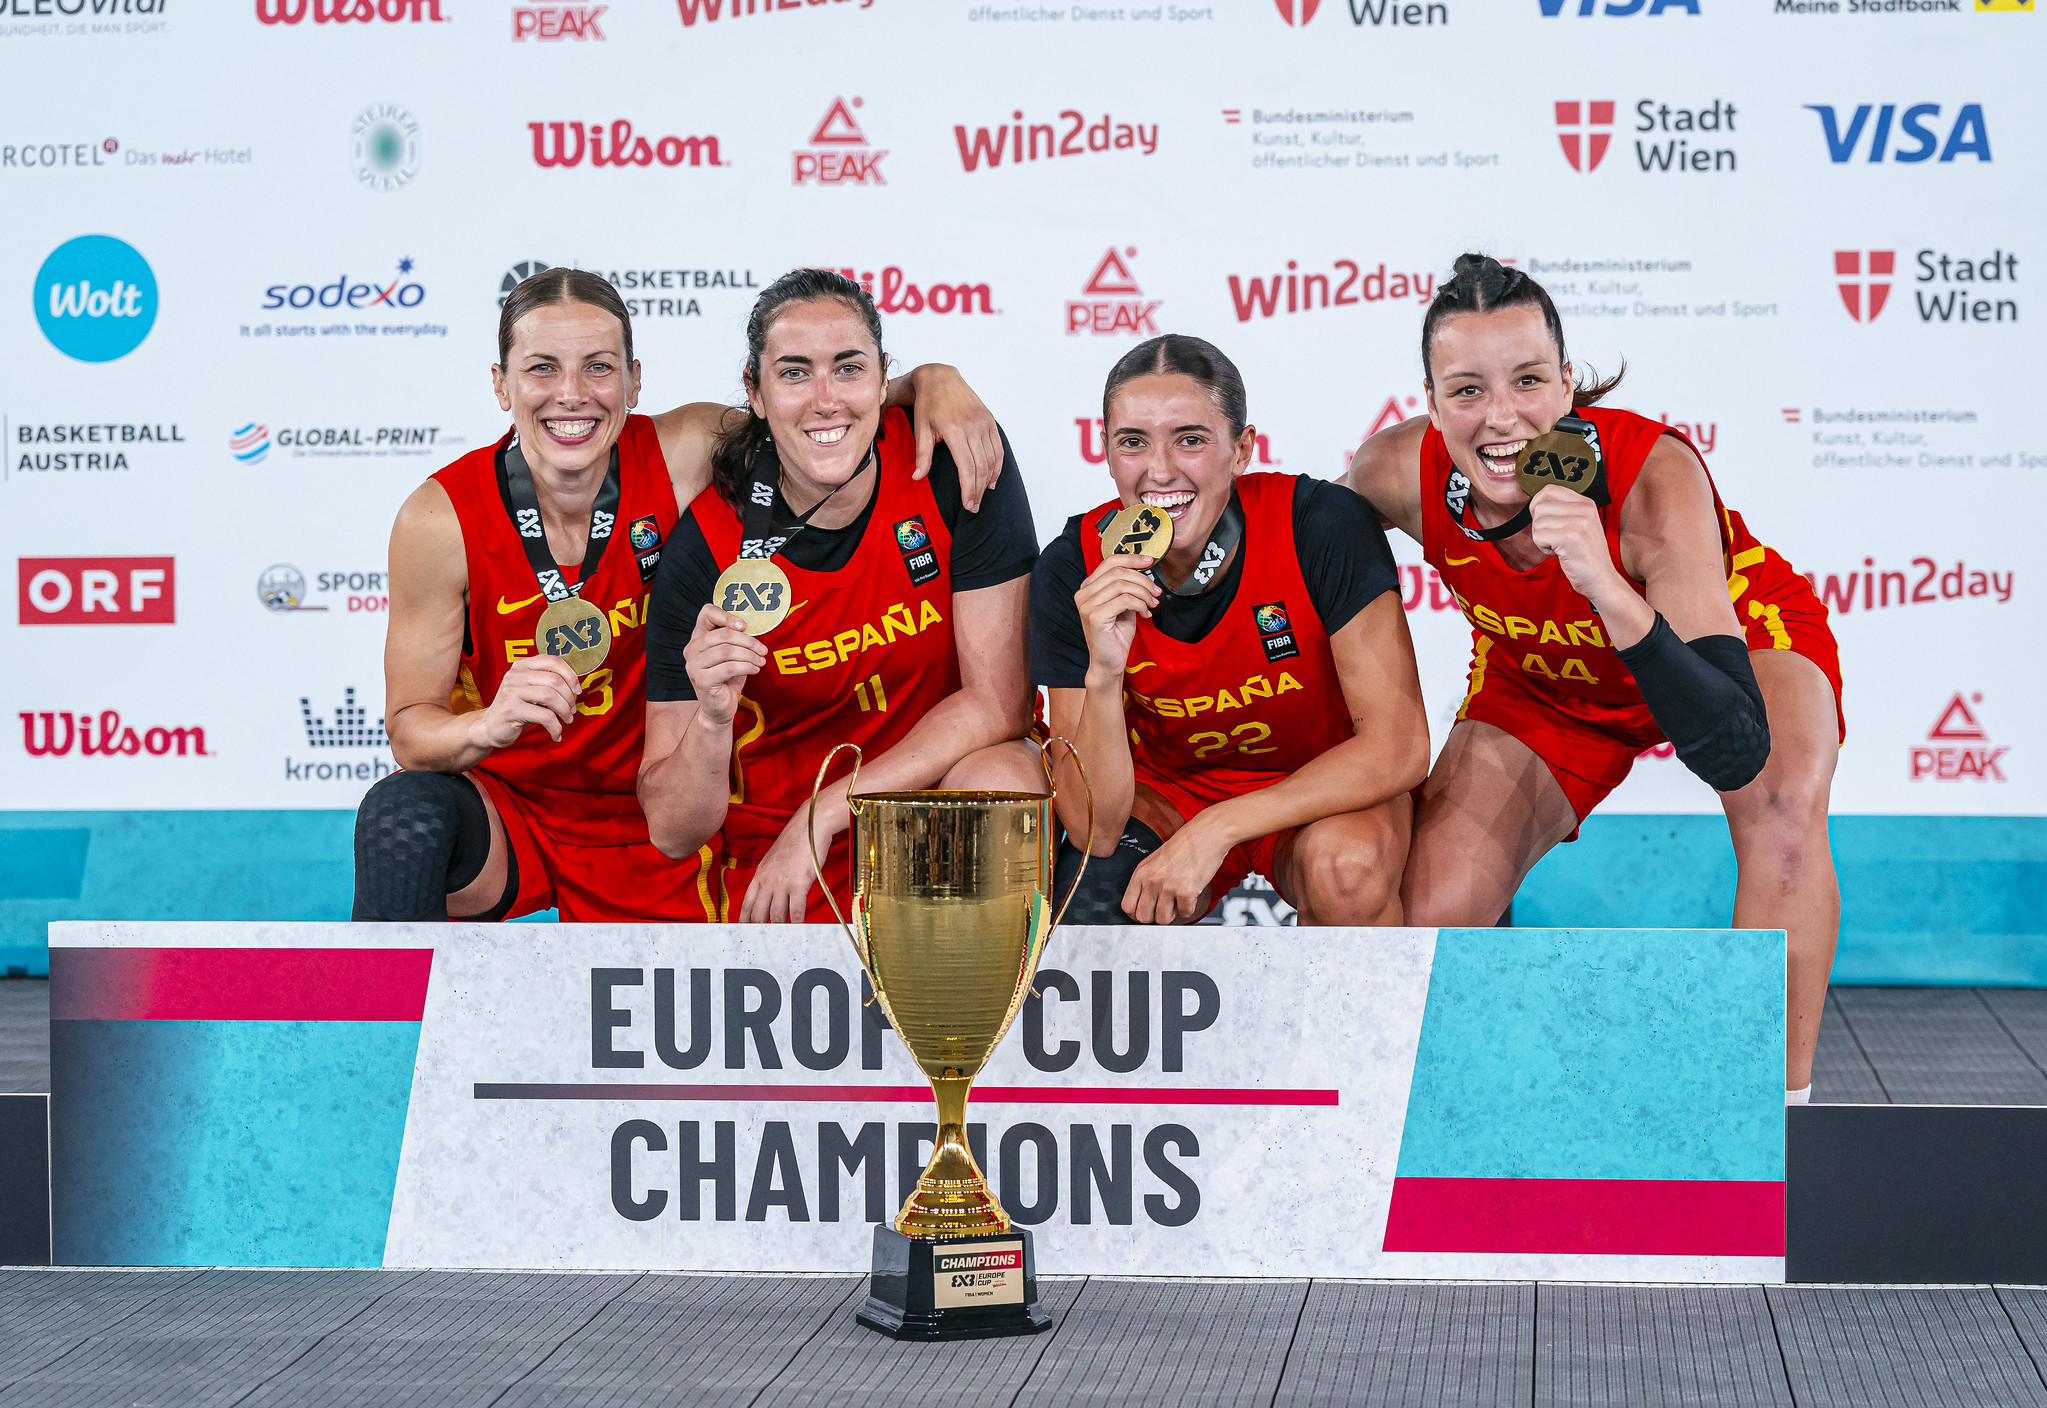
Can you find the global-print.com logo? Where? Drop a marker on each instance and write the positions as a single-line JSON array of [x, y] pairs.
[[95, 298]]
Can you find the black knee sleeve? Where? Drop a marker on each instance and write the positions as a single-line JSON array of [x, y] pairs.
[[1100, 897], [419, 837]]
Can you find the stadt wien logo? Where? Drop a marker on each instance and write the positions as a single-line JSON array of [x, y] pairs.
[[1864, 280]]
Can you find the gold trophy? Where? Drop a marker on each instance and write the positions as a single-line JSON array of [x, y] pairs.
[[952, 907]]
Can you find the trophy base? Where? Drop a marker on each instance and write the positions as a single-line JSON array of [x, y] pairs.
[[965, 1288]]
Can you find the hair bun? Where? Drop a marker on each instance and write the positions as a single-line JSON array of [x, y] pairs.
[[1472, 263]]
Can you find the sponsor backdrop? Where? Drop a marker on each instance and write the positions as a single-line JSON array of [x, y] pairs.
[[1465, 1103], [240, 328]]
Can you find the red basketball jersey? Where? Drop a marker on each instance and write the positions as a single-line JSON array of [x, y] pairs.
[[863, 654], [584, 785], [1258, 696], [1535, 621]]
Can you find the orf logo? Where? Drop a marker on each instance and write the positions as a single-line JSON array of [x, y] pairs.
[[1298, 11], [1848, 269], [98, 591], [1590, 124], [95, 298]]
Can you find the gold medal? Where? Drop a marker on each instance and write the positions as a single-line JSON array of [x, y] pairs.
[[756, 591], [1138, 529], [576, 631], [1558, 457]]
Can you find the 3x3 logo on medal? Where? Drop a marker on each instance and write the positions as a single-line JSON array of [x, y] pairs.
[[914, 542], [1275, 631]]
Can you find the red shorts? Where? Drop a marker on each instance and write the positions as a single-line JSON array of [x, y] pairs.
[[1589, 748], [1260, 856], [597, 884], [735, 877]]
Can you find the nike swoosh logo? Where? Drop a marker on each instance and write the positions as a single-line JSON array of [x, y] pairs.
[[507, 608], [1133, 669], [1458, 561]]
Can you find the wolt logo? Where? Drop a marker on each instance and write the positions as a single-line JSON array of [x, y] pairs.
[[1848, 269], [1306, 10], [1591, 123]]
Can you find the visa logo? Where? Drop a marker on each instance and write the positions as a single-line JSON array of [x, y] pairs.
[[1552, 8], [1915, 140]]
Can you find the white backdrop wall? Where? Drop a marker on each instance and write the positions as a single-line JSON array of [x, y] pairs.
[[325, 199]]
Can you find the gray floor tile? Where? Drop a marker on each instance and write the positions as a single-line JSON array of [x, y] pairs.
[[2023, 1013], [1841, 1074], [1912, 1348], [701, 1340], [446, 1338], [847, 1363], [1940, 1046], [1656, 1347], [1413, 1345], [45, 1315], [24, 1036], [209, 1339], [1171, 1342]]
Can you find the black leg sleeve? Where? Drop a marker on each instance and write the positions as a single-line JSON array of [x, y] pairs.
[[419, 836], [1100, 898], [1704, 696]]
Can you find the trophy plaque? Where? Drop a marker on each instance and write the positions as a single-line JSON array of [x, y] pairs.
[[951, 911]]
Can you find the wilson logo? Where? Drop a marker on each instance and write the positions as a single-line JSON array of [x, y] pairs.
[[350, 11], [567, 143], [52, 735], [896, 294]]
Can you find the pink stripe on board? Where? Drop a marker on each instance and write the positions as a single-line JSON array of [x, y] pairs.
[[1586, 1216], [239, 984], [905, 1094]]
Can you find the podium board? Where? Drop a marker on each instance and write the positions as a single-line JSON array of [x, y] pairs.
[[1485, 1103]]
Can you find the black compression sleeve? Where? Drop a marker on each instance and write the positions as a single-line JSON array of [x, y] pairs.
[[1704, 696], [682, 587], [1059, 652]]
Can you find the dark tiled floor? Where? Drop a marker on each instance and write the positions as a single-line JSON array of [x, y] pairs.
[[384, 1337]]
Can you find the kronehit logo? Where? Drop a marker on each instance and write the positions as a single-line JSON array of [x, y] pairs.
[[95, 298]]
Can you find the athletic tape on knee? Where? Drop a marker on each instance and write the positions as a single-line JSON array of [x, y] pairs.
[[1099, 899], [419, 836]]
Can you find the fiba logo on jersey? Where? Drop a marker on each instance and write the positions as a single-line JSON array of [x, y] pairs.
[[1275, 632], [95, 298], [910, 535], [914, 539], [384, 146]]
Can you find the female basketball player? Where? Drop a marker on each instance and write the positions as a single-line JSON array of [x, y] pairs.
[[1603, 625], [905, 618], [517, 792], [1249, 700]]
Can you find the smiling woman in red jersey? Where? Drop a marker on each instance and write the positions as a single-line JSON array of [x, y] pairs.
[[905, 624], [517, 792], [1603, 625], [1247, 702]]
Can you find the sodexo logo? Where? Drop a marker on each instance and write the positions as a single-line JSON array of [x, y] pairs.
[[95, 298], [400, 292], [1916, 141]]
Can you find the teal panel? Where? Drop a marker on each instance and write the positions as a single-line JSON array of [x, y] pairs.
[[1923, 899], [226, 1143], [1600, 1053], [43, 864]]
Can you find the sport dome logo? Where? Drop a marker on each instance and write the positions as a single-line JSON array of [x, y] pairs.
[[95, 298]]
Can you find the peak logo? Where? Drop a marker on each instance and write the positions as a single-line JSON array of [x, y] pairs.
[[1587, 123], [1074, 135], [839, 153], [89, 591], [1969, 135], [694, 10], [1974, 761], [552, 23], [350, 11], [1864, 295], [567, 143], [95, 298], [1117, 305], [1617, 8], [896, 294]]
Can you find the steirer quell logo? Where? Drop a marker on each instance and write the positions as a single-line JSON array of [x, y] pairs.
[[95, 298]]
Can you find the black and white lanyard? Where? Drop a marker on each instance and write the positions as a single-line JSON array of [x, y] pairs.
[[525, 504]]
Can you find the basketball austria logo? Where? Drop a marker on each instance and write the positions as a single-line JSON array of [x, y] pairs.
[[915, 543], [1275, 632]]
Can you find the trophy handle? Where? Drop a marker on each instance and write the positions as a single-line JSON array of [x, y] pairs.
[[817, 866], [1044, 758]]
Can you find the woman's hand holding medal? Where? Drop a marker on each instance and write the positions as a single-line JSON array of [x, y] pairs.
[[1122, 587], [538, 689], [721, 656]]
